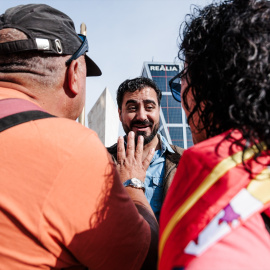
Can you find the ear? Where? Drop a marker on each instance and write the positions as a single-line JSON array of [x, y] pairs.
[[73, 77], [120, 115]]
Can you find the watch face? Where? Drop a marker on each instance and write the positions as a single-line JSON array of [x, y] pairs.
[[136, 182]]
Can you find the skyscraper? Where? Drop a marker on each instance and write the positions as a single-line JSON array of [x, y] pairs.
[[173, 123], [103, 119]]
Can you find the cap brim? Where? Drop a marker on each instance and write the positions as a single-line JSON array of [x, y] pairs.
[[92, 68]]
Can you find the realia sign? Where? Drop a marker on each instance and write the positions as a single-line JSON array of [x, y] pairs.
[[163, 68]]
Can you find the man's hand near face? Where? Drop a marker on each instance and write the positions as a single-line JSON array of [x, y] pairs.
[[130, 161], [132, 165]]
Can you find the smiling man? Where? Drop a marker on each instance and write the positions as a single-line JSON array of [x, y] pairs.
[[138, 107]]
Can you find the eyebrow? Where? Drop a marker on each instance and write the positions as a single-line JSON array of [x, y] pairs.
[[147, 101]]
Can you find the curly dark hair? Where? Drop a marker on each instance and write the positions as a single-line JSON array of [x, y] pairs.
[[133, 85], [226, 48]]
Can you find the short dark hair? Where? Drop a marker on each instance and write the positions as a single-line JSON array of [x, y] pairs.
[[133, 85], [226, 48]]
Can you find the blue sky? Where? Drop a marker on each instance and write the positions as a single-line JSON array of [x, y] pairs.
[[122, 34]]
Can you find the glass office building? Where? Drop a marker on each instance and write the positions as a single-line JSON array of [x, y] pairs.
[[173, 123]]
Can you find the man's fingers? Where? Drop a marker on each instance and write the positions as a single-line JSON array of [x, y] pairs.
[[130, 144], [139, 148], [148, 158], [121, 153]]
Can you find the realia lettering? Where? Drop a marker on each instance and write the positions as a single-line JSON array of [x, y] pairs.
[[163, 68]]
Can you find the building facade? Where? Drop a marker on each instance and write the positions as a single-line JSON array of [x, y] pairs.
[[173, 122], [103, 119]]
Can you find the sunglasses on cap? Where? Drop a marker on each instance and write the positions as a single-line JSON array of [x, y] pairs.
[[175, 86], [81, 51]]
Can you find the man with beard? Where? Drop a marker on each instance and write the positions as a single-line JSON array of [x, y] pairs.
[[138, 103]]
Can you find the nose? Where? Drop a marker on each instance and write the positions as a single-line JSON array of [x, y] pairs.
[[141, 114]]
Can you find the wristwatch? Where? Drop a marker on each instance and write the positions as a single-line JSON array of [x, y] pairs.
[[134, 182]]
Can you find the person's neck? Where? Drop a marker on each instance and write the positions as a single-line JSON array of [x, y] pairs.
[[50, 103], [13, 90], [155, 143]]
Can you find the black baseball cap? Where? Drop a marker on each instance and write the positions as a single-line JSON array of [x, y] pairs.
[[48, 30]]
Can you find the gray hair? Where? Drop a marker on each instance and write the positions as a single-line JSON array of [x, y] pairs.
[[44, 69]]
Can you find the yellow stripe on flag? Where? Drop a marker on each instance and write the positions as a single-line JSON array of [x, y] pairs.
[[218, 171], [260, 186]]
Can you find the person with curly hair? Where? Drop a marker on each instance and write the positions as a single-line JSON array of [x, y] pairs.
[[213, 216]]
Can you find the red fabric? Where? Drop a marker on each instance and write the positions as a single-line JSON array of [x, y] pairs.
[[267, 212], [195, 165], [246, 247]]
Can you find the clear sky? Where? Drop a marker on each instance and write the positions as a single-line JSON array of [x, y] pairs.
[[122, 34]]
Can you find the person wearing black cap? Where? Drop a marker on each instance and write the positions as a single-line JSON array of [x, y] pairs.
[[61, 192]]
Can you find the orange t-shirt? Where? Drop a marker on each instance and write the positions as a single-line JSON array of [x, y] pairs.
[[62, 204]]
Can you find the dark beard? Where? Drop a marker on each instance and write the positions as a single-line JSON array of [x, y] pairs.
[[147, 139]]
